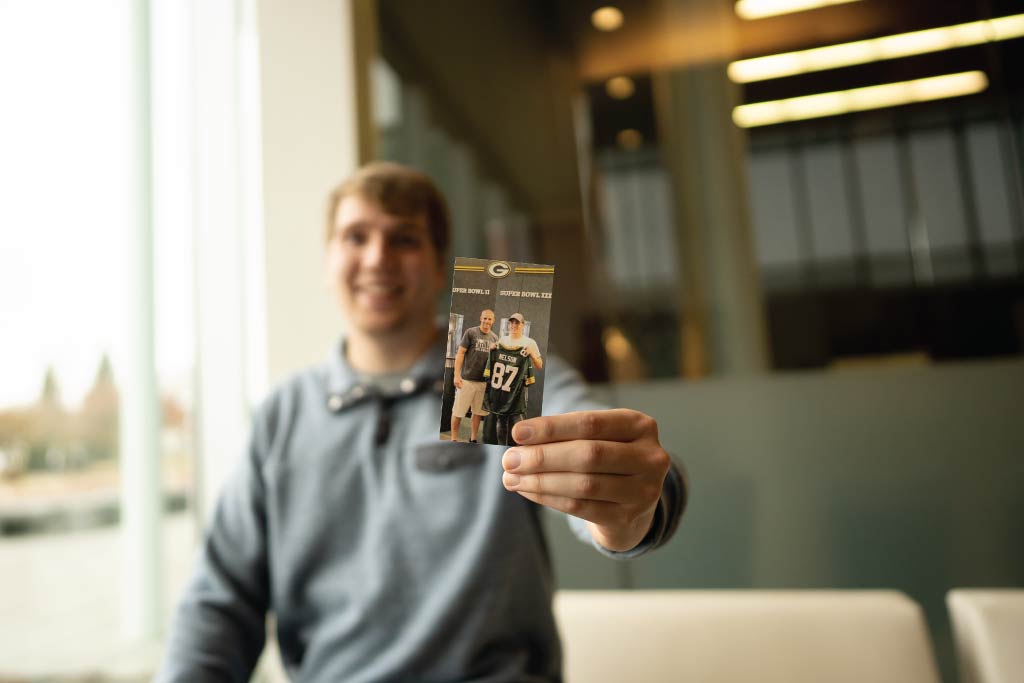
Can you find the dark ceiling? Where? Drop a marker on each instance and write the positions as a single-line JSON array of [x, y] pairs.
[[659, 36], [508, 69]]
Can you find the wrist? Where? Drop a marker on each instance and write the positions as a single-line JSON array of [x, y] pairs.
[[622, 538]]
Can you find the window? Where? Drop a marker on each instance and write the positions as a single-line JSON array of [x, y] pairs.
[[69, 176]]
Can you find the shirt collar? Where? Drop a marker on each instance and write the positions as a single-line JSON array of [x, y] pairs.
[[344, 388]]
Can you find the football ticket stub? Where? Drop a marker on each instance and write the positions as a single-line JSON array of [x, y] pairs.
[[497, 347]]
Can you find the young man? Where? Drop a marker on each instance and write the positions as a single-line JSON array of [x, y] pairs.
[[385, 554], [510, 371], [470, 362], [515, 339]]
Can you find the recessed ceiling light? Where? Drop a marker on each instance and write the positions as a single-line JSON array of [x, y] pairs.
[[620, 87], [859, 99], [630, 138], [607, 18], [877, 49], [758, 9]]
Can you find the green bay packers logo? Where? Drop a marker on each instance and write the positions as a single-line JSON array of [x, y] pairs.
[[499, 269]]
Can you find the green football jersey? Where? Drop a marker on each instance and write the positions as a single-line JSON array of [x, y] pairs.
[[508, 373]]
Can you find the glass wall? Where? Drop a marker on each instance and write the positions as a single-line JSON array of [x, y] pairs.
[[844, 182], [884, 229]]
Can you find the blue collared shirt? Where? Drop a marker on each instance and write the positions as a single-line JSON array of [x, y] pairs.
[[384, 553]]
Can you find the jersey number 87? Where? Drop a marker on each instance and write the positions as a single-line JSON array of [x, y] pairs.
[[498, 373]]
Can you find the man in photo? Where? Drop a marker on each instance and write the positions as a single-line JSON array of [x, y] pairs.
[[510, 372], [470, 363], [515, 339]]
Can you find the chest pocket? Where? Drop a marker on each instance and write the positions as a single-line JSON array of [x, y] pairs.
[[454, 484], [448, 457]]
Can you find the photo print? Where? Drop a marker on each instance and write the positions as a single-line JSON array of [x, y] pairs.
[[497, 346]]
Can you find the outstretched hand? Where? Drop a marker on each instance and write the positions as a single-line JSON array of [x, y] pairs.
[[604, 466]]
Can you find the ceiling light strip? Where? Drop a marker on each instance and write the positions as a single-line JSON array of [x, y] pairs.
[[876, 49], [758, 9], [859, 99]]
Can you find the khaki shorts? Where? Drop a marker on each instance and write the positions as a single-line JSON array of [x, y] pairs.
[[470, 395]]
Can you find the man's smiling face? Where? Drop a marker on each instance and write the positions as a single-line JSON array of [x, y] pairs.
[[515, 328], [384, 269], [486, 320]]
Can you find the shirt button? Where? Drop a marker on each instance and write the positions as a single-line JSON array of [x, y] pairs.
[[407, 385], [335, 402], [357, 392]]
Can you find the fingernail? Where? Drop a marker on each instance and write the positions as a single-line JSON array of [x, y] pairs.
[[522, 433], [509, 479], [511, 460]]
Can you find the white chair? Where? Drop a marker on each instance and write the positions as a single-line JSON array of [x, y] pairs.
[[988, 629], [744, 635]]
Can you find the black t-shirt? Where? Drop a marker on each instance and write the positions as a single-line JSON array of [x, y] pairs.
[[508, 373]]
